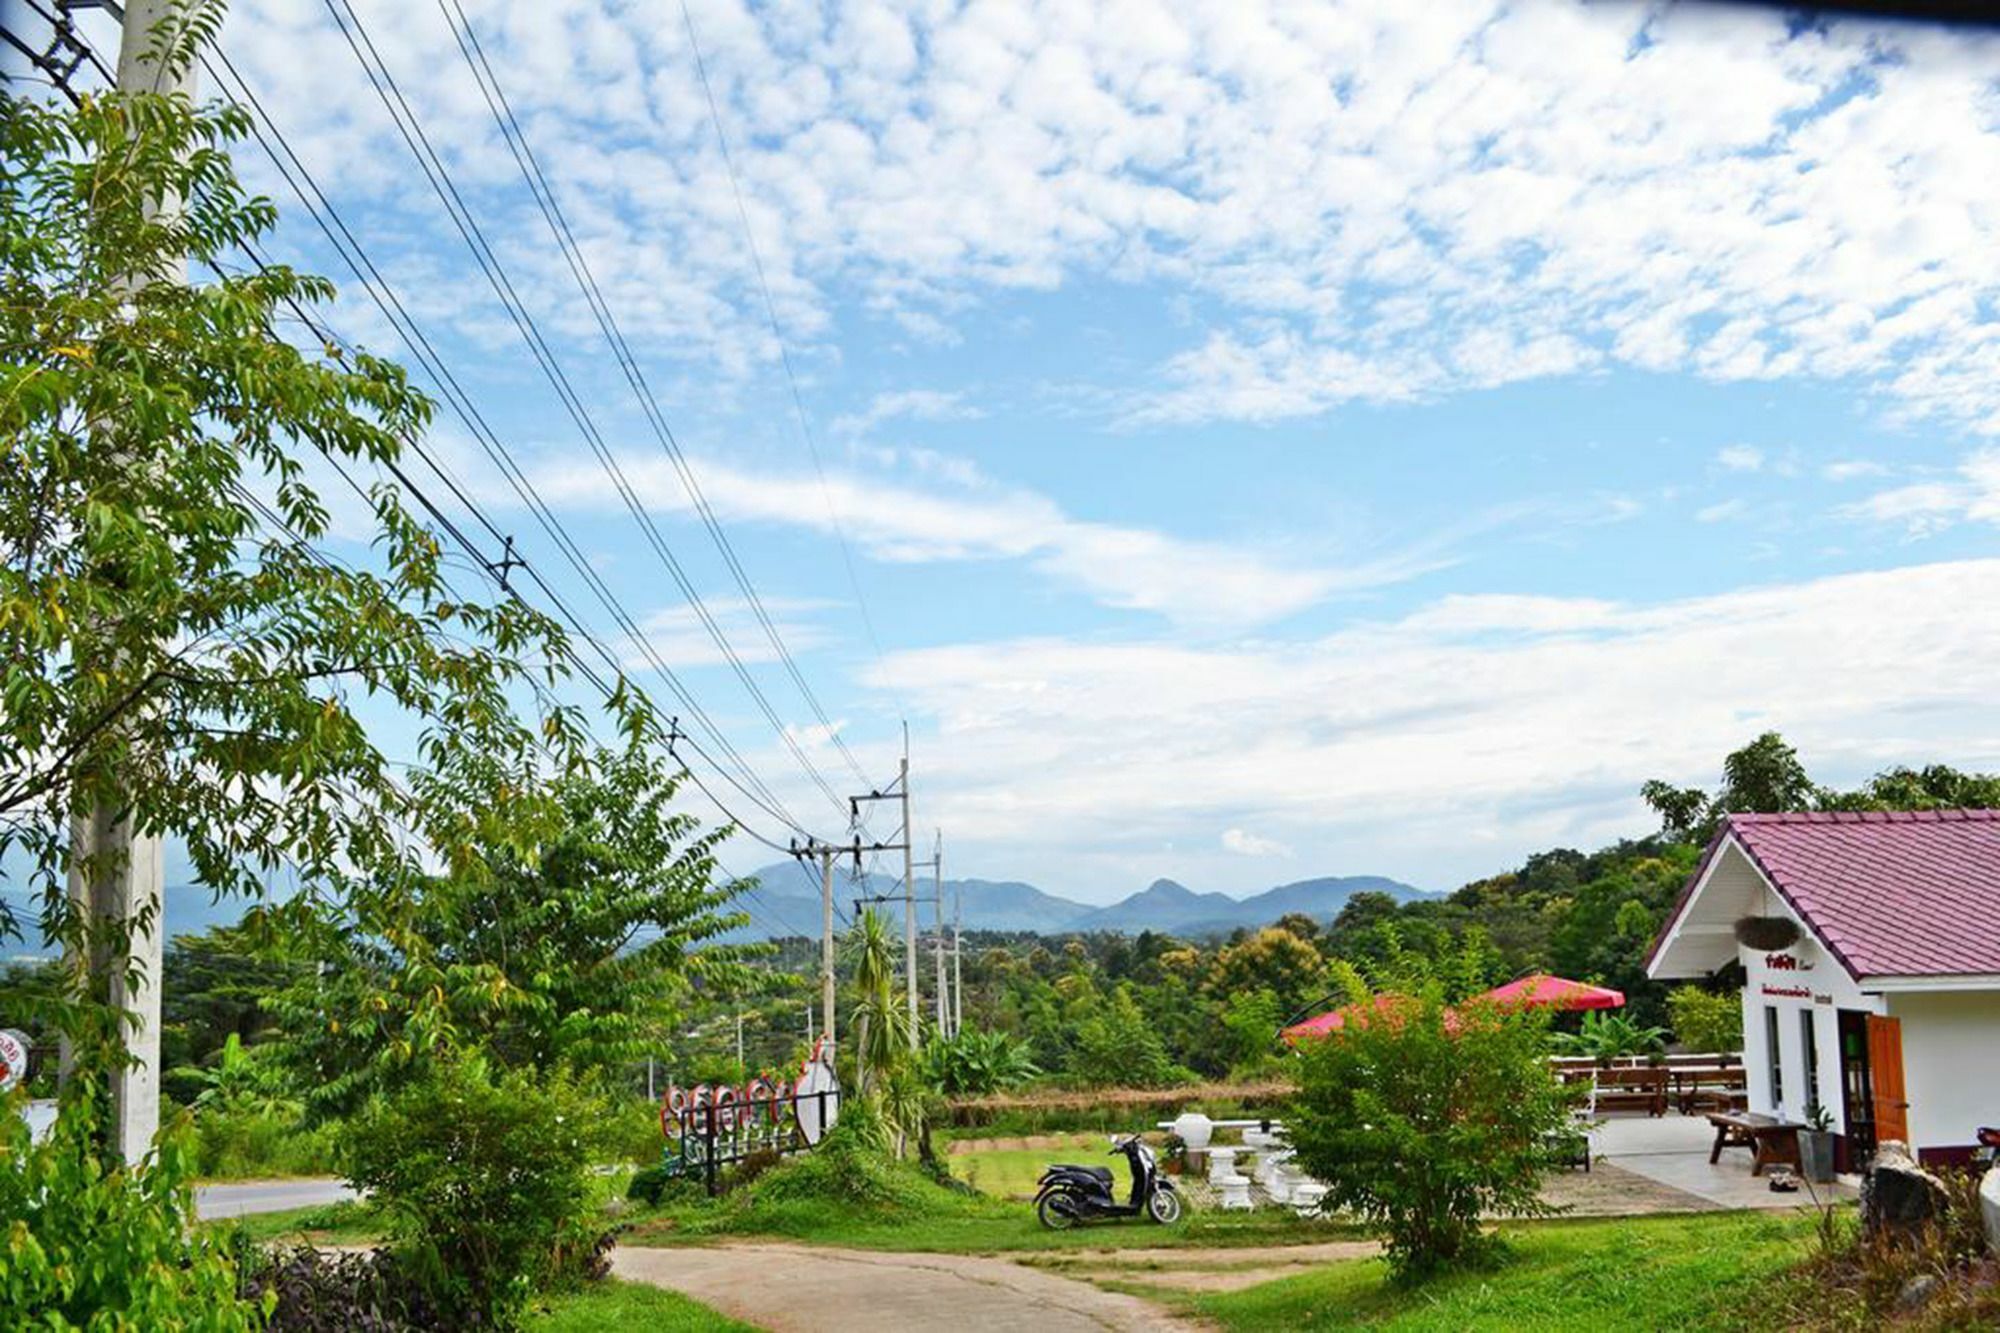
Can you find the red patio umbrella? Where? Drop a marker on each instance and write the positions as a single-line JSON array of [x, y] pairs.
[[1334, 1020], [1542, 991]]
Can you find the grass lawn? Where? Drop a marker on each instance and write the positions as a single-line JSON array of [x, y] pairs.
[[1011, 1173], [345, 1223], [1680, 1273], [602, 1307]]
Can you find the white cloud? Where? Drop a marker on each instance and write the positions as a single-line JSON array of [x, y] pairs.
[[1245, 843], [1721, 512], [912, 404], [1433, 739], [1373, 202], [1852, 469], [1741, 458], [1927, 507], [680, 638], [1201, 583]]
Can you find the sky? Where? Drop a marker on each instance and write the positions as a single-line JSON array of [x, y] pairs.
[[1267, 440]]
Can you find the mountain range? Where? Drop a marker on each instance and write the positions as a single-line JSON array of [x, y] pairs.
[[787, 902]]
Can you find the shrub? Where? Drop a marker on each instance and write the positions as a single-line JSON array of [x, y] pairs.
[[974, 1063], [248, 1144], [851, 1168], [1423, 1119], [483, 1181], [1605, 1036], [91, 1245], [320, 1291], [1704, 1020]]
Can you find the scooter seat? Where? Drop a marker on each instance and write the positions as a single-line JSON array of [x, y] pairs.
[[1103, 1173]]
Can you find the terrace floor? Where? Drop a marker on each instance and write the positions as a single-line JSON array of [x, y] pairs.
[[1672, 1151]]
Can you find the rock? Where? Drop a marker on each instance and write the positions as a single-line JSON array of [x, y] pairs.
[[1916, 1293], [1989, 1208], [1898, 1196]]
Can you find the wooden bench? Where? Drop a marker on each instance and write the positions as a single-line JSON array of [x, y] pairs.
[[1771, 1141], [1631, 1089], [1698, 1091]]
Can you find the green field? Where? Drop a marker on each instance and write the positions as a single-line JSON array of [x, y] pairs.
[[1683, 1273], [1011, 1173]]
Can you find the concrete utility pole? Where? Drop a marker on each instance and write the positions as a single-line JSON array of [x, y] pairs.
[[909, 893], [826, 1001], [117, 875], [957, 972], [937, 899]]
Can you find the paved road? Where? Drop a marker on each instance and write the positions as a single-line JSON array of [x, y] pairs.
[[788, 1288], [265, 1196]]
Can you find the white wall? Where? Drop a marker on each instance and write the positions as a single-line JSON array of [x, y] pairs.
[[1951, 1064], [1802, 979]]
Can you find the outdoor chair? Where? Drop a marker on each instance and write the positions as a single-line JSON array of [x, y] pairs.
[[1306, 1198], [1235, 1193]]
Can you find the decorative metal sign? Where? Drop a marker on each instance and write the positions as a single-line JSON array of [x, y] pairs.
[[13, 1058], [708, 1127]]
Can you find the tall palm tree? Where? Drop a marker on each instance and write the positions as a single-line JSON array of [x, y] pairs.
[[880, 1022]]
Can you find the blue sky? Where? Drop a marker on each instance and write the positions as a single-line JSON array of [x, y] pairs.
[[1271, 440]]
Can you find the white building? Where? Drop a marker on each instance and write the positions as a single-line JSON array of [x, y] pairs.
[[1885, 1008]]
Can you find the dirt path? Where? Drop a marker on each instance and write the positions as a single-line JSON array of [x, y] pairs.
[[786, 1287]]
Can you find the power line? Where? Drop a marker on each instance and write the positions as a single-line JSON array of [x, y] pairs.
[[439, 176], [552, 212], [778, 334], [384, 296]]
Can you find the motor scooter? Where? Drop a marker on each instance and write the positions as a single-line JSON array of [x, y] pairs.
[[1069, 1194]]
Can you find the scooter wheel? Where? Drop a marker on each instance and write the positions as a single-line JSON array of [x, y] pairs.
[[1057, 1211], [1165, 1207]]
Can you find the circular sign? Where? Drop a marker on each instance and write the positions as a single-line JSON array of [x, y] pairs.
[[816, 1113], [13, 1058]]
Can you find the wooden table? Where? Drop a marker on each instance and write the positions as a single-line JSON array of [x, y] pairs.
[[1771, 1141]]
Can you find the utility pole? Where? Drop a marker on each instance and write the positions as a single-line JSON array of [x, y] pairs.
[[740, 1066], [117, 876], [826, 1001], [957, 971], [909, 891], [903, 844]]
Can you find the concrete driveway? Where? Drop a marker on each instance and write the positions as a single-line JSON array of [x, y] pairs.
[[798, 1288]]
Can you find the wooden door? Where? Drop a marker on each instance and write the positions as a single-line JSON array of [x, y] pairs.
[[1885, 1074]]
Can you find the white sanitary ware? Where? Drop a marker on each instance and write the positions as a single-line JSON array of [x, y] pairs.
[[1235, 1192], [1306, 1197], [1195, 1130]]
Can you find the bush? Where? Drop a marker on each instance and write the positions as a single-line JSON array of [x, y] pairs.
[[91, 1246], [1423, 1119], [1704, 1020], [975, 1063], [247, 1145], [851, 1169], [320, 1291], [483, 1181]]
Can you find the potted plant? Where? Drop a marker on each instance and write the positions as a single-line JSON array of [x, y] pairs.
[[1816, 1145], [1766, 933]]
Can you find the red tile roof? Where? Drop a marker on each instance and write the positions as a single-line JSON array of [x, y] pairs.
[[1892, 894]]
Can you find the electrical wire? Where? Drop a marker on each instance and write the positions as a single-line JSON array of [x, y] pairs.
[[551, 209], [410, 127]]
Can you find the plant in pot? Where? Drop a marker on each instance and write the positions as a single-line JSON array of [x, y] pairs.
[[1816, 1145]]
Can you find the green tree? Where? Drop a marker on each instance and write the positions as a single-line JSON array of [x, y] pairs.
[[1272, 959], [1704, 1020], [567, 952], [1423, 1120]]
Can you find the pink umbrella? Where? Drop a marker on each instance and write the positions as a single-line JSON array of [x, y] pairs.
[[1385, 1005], [1542, 991]]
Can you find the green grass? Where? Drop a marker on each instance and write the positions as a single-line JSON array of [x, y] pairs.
[[1011, 1173], [1683, 1273], [611, 1306], [349, 1222]]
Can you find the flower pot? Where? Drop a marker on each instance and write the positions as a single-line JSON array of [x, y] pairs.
[[1816, 1155], [1768, 933]]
